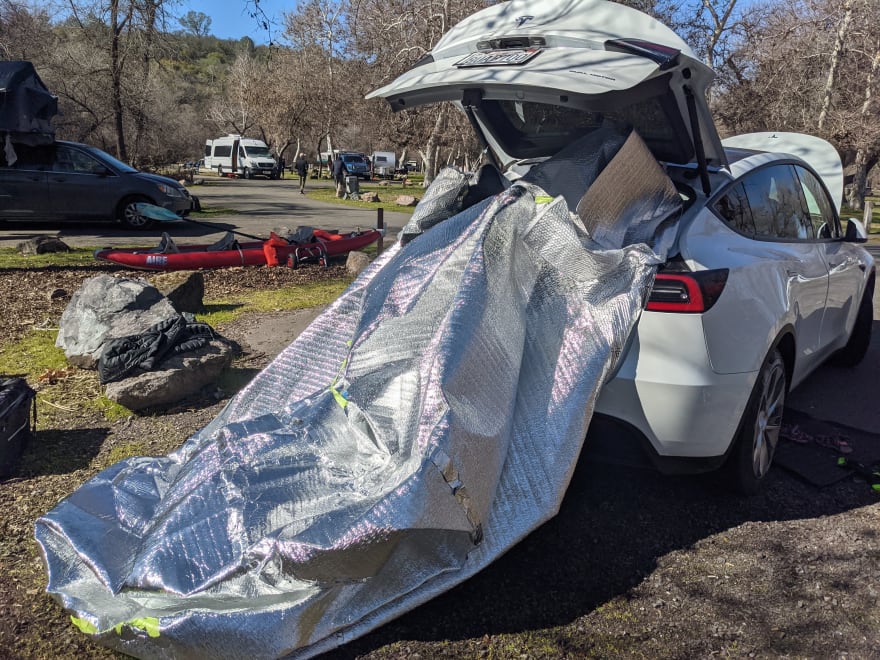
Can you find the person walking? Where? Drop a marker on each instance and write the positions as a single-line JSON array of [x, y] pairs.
[[339, 173], [301, 165], [281, 165]]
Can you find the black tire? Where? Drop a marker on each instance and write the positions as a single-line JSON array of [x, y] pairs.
[[129, 216], [755, 443], [219, 170], [860, 337], [246, 174]]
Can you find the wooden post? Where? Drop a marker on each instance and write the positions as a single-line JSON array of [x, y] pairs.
[[869, 215], [380, 225]]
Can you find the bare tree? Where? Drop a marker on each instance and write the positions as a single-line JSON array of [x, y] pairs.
[[811, 66], [319, 29], [834, 62], [25, 32], [393, 35]]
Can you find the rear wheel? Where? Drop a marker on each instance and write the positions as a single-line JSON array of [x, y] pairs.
[[219, 170], [128, 213], [756, 440], [857, 346]]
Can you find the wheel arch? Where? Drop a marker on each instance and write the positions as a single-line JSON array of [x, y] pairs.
[[787, 346], [126, 200]]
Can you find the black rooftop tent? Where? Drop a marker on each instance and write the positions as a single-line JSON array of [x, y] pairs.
[[26, 104]]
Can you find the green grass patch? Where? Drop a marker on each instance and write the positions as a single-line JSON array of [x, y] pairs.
[[12, 258], [33, 355], [210, 212], [61, 390], [387, 195], [111, 410], [847, 212], [220, 312], [125, 450]]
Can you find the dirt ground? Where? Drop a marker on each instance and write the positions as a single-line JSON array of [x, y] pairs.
[[634, 565]]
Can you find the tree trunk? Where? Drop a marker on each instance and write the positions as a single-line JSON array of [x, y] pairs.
[[151, 8], [429, 154], [828, 93], [857, 190], [116, 79], [856, 196]]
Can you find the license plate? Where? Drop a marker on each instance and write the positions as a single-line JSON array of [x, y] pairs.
[[498, 57]]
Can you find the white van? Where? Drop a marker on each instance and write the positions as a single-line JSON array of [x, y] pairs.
[[240, 156]]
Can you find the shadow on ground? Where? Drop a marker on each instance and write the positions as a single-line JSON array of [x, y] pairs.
[[614, 525]]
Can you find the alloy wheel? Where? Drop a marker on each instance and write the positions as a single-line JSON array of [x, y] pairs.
[[768, 418]]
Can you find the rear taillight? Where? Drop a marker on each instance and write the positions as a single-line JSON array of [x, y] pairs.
[[687, 293]]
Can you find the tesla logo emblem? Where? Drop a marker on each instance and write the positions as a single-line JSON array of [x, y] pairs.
[[522, 20]]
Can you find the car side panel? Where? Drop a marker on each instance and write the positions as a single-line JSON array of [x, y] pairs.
[[23, 194], [79, 196], [771, 284], [847, 268], [666, 388]]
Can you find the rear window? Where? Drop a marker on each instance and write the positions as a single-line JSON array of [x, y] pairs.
[[528, 129]]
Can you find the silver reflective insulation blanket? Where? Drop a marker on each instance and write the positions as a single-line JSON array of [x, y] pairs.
[[425, 423]]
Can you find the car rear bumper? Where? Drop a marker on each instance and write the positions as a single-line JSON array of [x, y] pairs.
[[666, 391]]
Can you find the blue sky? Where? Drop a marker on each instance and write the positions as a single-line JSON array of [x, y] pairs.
[[230, 19]]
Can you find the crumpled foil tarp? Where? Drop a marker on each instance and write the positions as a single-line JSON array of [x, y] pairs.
[[425, 423]]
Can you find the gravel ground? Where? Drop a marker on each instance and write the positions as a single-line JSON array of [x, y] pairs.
[[634, 565]]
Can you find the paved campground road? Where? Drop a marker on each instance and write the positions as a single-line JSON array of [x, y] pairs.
[[261, 204]]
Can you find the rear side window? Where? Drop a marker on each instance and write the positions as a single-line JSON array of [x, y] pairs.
[[776, 202], [207, 149], [28, 157], [222, 151], [734, 208]]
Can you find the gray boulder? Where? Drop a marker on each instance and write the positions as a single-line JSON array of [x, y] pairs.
[[356, 263], [42, 245], [370, 197], [406, 200], [104, 308], [175, 378], [184, 288]]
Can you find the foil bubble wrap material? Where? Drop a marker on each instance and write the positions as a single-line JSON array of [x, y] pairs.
[[422, 425]]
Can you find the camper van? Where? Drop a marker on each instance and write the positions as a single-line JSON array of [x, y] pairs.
[[384, 164], [240, 156]]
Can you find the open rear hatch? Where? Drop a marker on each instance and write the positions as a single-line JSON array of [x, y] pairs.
[[534, 76]]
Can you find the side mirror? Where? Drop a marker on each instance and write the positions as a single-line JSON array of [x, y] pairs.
[[855, 232]]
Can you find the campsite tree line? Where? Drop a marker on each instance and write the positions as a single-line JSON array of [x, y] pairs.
[[150, 85]]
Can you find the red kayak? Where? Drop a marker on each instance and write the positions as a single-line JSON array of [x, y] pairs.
[[229, 252]]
